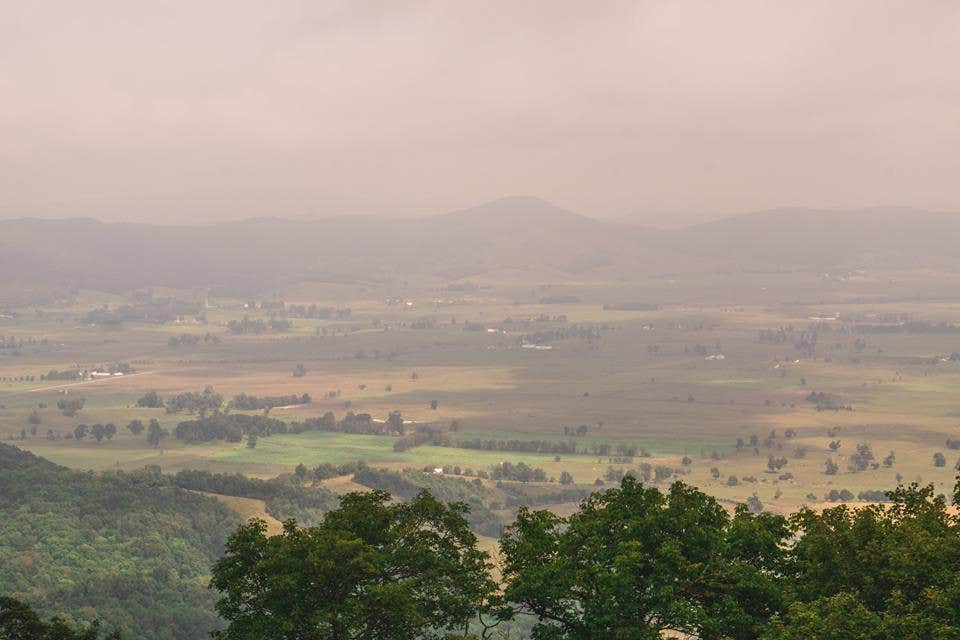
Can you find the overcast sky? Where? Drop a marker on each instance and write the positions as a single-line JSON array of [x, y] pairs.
[[655, 111]]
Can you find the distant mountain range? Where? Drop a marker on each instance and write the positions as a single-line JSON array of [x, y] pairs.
[[508, 236]]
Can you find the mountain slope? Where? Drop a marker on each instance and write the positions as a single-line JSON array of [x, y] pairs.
[[823, 239], [128, 548], [512, 235]]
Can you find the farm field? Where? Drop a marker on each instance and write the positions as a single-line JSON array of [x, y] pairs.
[[790, 364]]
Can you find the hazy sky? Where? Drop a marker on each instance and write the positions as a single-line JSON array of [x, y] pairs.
[[211, 109]]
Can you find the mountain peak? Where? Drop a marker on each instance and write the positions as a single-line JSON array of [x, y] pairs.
[[517, 209]]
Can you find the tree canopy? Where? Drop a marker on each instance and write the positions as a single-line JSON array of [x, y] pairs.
[[633, 563], [19, 621], [895, 566], [371, 569]]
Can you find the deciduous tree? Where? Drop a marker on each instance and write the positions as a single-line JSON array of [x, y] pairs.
[[635, 563], [370, 570]]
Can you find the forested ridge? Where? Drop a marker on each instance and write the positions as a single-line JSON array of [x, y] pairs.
[[408, 484], [130, 548], [633, 562]]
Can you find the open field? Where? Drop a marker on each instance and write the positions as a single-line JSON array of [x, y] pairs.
[[248, 509], [680, 380]]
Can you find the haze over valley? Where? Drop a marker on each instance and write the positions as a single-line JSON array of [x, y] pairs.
[[508, 321]]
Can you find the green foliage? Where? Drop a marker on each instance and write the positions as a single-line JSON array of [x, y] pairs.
[[284, 497], [830, 467], [522, 495], [841, 617], [258, 325], [371, 569], [70, 406], [519, 472], [900, 561], [245, 402], [408, 484], [827, 401], [70, 374], [634, 562], [862, 459], [838, 495], [128, 548], [18, 621], [230, 427], [327, 470], [193, 402], [150, 399], [156, 433]]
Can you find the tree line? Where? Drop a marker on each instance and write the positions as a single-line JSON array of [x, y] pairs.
[[228, 426], [431, 435], [232, 427], [246, 402], [284, 496], [258, 325]]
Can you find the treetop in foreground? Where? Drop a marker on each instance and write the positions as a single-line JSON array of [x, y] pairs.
[[634, 563], [19, 621], [371, 570]]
